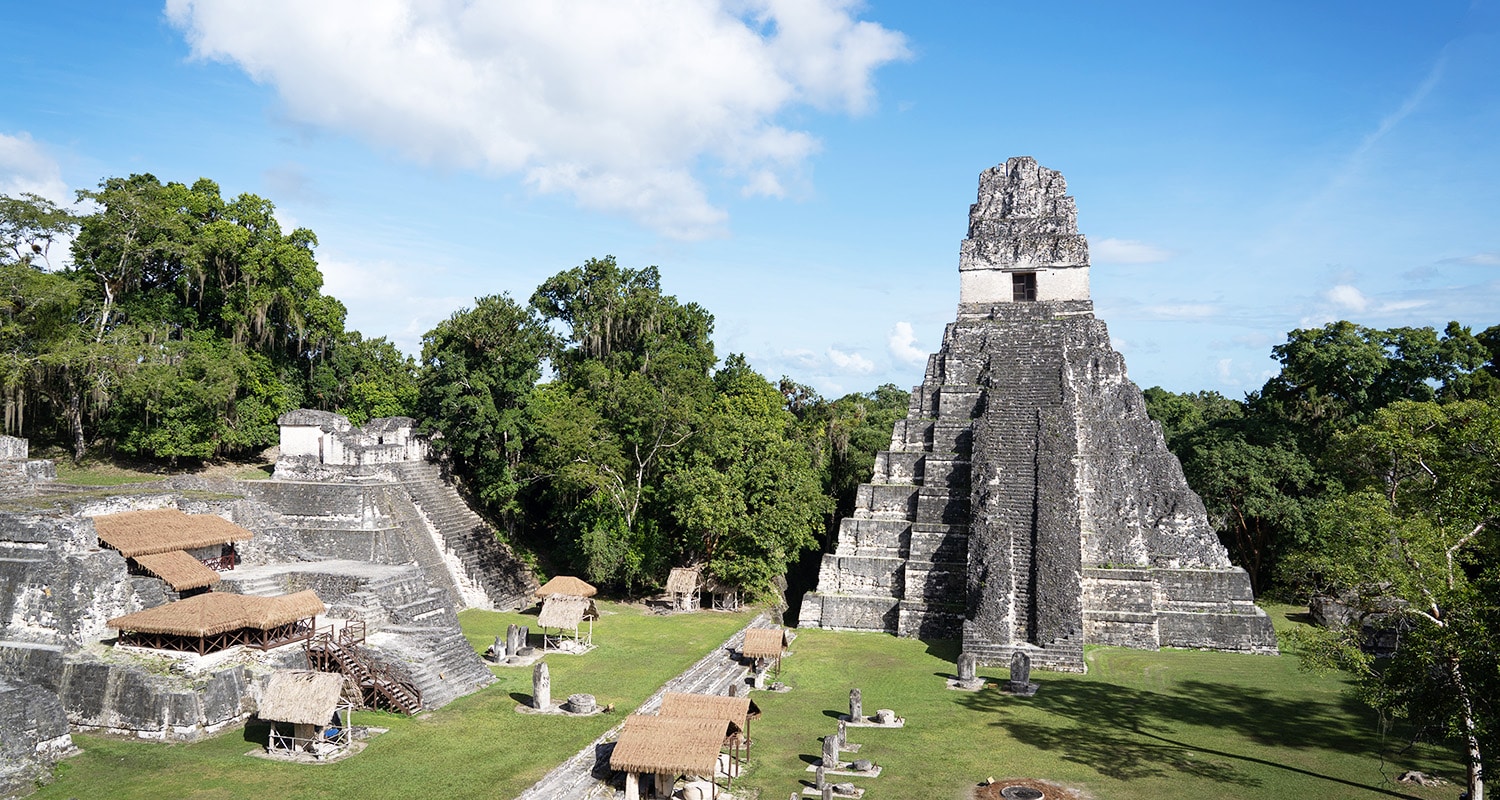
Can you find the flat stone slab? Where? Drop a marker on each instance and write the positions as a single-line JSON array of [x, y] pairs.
[[520, 661], [966, 686], [869, 722], [845, 768], [808, 791], [557, 709]]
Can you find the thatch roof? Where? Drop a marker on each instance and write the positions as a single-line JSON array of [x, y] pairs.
[[218, 612], [763, 643], [301, 697], [180, 570], [735, 710], [678, 745], [562, 611], [712, 583], [144, 533], [682, 580], [565, 585]]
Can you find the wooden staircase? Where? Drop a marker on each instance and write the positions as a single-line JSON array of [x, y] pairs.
[[379, 686]]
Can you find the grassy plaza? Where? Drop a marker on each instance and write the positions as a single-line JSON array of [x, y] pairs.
[[1139, 724]]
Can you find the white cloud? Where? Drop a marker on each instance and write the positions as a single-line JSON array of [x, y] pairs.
[[1477, 259], [1127, 251], [902, 343], [1347, 298], [386, 299], [850, 362], [613, 102], [1401, 305], [26, 167], [1182, 311]]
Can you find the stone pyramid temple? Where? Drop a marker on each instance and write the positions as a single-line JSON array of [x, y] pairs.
[[1028, 503]]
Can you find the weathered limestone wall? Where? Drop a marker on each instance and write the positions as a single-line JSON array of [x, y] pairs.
[[19, 473], [33, 736], [56, 584], [322, 445], [1027, 501]]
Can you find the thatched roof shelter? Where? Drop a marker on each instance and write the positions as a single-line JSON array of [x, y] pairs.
[[670, 745], [764, 643], [738, 711], [565, 585], [214, 621], [144, 533], [682, 580], [563, 611], [301, 697], [180, 570]]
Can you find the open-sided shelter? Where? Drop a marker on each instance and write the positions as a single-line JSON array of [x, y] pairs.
[[765, 643], [722, 596], [185, 550], [308, 712], [666, 748], [567, 614], [682, 587], [208, 623], [737, 711]]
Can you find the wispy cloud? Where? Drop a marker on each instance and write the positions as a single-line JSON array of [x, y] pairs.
[[1127, 251], [26, 166], [902, 343], [1475, 260], [1182, 310], [564, 95], [851, 363], [1347, 297]]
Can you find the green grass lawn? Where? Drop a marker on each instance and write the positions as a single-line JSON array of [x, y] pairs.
[[1172, 724], [477, 746]]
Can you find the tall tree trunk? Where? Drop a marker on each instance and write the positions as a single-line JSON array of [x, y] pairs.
[[75, 421], [1471, 736]]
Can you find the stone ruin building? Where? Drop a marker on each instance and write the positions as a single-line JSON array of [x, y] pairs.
[[358, 515], [1027, 502]]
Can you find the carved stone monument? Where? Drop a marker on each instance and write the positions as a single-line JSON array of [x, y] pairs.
[[830, 752], [820, 777], [968, 673], [1027, 501], [541, 687], [581, 704], [1020, 675], [856, 706], [512, 640]]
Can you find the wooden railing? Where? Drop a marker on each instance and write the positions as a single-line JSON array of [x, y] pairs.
[[379, 685]]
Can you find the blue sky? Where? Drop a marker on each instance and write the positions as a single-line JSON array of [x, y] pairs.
[[803, 168]]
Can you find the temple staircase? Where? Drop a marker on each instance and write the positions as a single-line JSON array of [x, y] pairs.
[[379, 686], [483, 570]]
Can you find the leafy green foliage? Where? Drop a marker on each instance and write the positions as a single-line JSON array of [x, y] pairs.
[[184, 325]]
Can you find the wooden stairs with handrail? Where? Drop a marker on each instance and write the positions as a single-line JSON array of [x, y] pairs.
[[379, 686]]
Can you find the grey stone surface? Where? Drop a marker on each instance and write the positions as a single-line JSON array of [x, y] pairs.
[[830, 752], [885, 716], [856, 705], [1026, 474], [33, 736], [541, 686], [581, 703]]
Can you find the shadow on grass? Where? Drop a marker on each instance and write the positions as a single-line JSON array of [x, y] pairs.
[[945, 649], [521, 697], [1128, 734]]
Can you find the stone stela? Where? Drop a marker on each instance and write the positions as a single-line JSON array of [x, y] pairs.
[[1027, 503]]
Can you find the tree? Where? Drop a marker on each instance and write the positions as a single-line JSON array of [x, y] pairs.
[[1419, 526], [745, 495], [479, 368], [29, 225]]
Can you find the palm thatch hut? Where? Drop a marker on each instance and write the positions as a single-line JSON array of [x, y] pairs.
[[565, 585], [682, 587], [722, 596], [184, 550], [737, 711], [308, 712], [666, 748], [765, 645], [208, 623], [567, 614]]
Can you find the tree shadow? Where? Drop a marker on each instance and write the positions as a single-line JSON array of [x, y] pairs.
[[1129, 734], [945, 649]]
